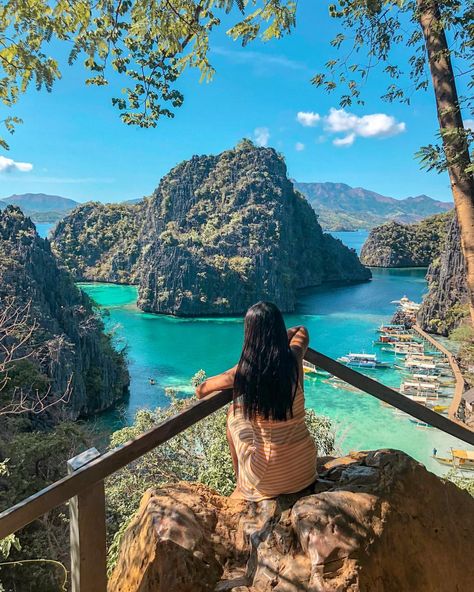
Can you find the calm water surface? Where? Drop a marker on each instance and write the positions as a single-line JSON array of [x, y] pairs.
[[340, 319]]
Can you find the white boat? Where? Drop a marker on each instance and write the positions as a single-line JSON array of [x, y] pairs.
[[312, 370], [422, 389], [407, 305], [460, 459], [391, 329], [363, 361]]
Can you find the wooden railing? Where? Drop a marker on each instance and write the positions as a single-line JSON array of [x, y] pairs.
[[84, 485]]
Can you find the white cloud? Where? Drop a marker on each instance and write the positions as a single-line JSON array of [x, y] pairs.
[[8, 165], [469, 124], [376, 125], [345, 141], [299, 146], [261, 136], [308, 118]]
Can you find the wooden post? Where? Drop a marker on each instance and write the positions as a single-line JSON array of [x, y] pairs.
[[87, 532]]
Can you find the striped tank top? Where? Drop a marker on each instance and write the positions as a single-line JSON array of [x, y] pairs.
[[274, 457]]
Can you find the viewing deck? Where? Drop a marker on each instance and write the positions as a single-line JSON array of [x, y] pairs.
[[84, 485]]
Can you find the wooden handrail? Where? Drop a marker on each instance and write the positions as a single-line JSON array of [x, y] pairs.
[[61, 491]]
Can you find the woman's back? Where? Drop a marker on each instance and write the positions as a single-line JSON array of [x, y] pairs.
[[275, 457]]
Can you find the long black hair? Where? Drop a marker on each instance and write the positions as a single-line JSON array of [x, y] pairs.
[[267, 374]]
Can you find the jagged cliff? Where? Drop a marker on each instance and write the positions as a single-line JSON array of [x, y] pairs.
[[219, 233], [445, 304], [69, 338], [374, 521], [406, 245], [99, 242]]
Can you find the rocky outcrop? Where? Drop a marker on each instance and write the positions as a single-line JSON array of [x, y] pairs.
[[69, 339], [446, 302], [219, 233], [406, 245], [100, 242], [375, 521]]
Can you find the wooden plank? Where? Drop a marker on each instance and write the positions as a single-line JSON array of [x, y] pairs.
[[88, 532], [390, 396], [62, 490]]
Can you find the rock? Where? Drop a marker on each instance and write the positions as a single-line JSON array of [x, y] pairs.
[[218, 234], [406, 245], [72, 338], [446, 302], [382, 524]]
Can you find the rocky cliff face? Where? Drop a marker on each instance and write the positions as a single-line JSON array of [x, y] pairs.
[[100, 242], [406, 245], [445, 304], [69, 339], [375, 521], [219, 233]]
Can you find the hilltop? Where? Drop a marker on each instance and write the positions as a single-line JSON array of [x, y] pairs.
[[341, 207], [40, 207], [219, 233], [406, 245]]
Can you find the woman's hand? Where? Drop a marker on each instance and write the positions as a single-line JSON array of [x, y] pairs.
[[220, 382]]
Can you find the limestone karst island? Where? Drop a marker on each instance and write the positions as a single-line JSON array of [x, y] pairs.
[[236, 296]]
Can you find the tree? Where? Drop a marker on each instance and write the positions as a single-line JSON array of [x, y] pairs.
[[148, 42], [23, 388], [379, 27]]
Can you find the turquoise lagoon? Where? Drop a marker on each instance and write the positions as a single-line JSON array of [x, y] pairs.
[[340, 319]]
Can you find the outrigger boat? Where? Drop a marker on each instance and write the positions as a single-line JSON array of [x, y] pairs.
[[407, 305], [394, 338], [391, 329], [310, 369], [460, 459], [420, 367], [368, 361], [424, 389], [405, 349]]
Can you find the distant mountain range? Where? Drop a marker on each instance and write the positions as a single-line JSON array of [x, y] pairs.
[[341, 207], [40, 207]]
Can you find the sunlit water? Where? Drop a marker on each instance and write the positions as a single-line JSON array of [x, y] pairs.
[[340, 319]]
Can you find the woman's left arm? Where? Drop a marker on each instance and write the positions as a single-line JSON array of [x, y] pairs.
[[216, 383]]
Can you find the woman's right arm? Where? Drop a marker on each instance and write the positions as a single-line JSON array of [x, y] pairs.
[[298, 338], [216, 383]]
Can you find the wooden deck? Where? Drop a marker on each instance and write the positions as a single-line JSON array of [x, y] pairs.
[[460, 382]]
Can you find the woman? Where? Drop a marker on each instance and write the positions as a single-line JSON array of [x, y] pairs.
[[272, 450]]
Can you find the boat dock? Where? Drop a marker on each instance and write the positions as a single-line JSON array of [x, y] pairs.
[[460, 383]]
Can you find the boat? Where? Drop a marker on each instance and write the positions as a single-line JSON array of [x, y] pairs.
[[391, 329], [460, 459], [310, 369], [369, 361], [407, 305], [421, 367], [428, 390], [394, 338], [404, 349]]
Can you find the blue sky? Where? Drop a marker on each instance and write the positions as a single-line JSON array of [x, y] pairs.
[[79, 148]]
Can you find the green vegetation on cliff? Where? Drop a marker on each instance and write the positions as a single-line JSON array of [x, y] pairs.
[[219, 233], [406, 245], [99, 242]]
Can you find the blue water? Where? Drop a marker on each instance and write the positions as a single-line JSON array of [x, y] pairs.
[[354, 240], [339, 319], [44, 228]]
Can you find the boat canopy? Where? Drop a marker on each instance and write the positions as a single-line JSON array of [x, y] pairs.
[[363, 356], [466, 454]]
